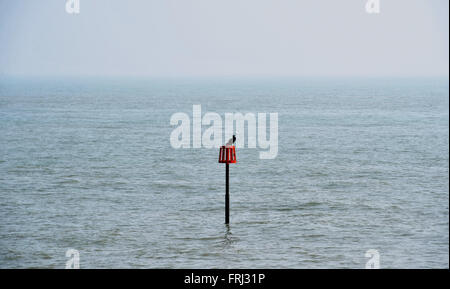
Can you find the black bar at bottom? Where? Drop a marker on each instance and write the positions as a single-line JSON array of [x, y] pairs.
[[235, 278]]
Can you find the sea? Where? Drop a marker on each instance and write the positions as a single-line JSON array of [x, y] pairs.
[[86, 163]]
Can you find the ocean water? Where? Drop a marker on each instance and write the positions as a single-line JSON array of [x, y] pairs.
[[87, 164]]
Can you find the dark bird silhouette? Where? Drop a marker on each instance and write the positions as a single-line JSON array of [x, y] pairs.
[[231, 141]]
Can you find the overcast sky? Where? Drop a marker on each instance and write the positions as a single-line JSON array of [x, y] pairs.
[[225, 37]]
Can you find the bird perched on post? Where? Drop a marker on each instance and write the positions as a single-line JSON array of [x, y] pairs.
[[231, 141]]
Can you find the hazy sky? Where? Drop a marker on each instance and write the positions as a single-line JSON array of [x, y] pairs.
[[225, 37]]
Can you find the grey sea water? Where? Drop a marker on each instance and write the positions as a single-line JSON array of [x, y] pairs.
[[87, 164]]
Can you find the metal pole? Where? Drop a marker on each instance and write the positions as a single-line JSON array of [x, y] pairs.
[[227, 194]]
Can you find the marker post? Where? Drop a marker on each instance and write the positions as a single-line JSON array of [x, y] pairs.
[[227, 156]]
